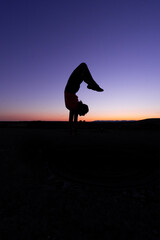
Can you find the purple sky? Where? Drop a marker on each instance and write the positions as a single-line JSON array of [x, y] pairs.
[[42, 41]]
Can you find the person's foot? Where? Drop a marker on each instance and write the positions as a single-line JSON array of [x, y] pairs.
[[95, 87]]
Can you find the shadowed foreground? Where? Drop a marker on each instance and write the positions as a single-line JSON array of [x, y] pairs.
[[102, 182]]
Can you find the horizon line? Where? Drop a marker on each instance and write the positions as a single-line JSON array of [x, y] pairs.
[[124, 120]]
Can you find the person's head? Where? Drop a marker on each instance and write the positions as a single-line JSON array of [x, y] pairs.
[[82, 109]]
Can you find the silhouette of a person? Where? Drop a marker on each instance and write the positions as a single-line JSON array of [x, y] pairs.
[[80, 74]]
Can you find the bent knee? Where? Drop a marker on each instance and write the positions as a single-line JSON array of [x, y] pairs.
[[83, 65]]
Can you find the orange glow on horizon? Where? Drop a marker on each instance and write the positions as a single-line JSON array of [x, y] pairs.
[[33, 117], [64, 117]]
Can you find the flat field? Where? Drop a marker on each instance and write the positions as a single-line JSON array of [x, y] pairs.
[[99, 181]]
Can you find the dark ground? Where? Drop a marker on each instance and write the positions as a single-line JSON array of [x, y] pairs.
[[101, 183]]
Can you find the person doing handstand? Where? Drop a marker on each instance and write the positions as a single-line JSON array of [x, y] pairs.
[[80, 74]]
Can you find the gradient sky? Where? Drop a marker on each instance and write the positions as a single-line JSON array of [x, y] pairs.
[[43, 41]]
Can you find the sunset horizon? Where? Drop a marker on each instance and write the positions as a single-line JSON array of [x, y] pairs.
[[66, 118], [42, 43]]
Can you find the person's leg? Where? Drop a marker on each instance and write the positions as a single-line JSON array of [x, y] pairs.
[[85, 73], [86, 76], [75, 79], [80, 74]]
